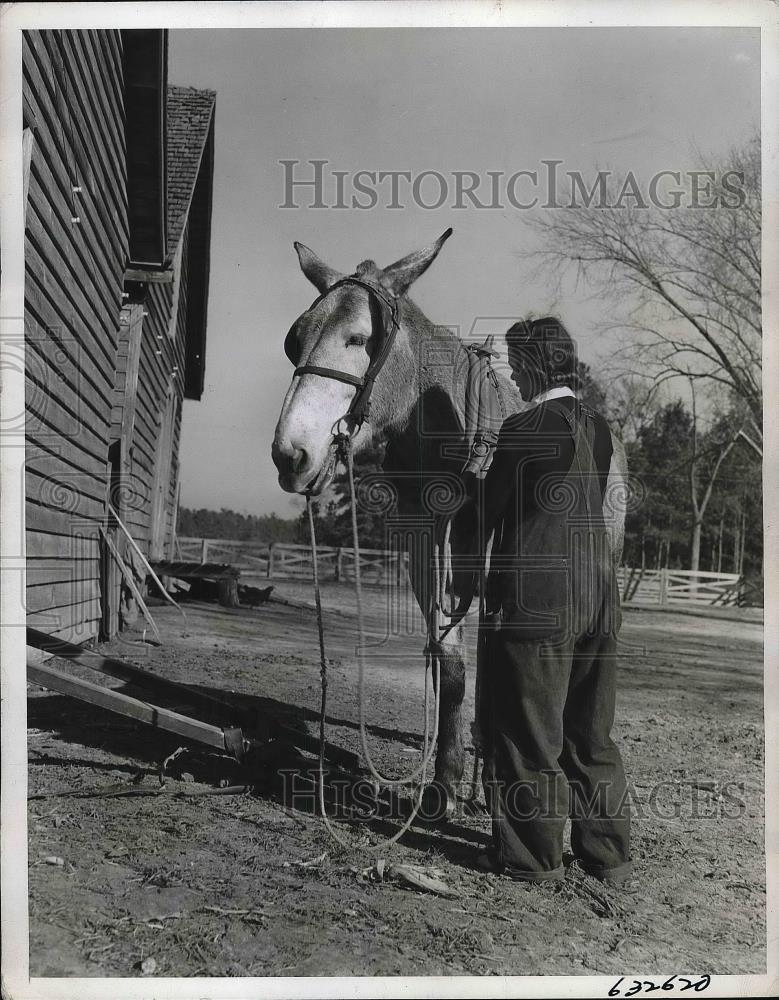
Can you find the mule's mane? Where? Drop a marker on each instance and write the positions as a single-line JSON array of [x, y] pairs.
[[423, 330], [417, 370]]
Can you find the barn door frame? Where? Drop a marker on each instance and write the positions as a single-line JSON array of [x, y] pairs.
[[161, 480], [120, 489]]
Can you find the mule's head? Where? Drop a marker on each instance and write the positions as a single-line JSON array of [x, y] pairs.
[[340, 331]]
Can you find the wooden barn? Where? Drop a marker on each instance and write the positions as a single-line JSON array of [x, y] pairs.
[[118, 187]]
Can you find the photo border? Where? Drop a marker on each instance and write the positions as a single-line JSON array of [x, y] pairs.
[[369, 14]]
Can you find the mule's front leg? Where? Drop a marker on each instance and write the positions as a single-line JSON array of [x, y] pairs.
[[439, 799]]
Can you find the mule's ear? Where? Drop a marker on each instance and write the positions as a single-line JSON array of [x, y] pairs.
[[318, 273], [403, 273]]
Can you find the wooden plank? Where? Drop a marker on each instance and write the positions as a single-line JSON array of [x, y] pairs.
[[110, 43], [132, 334], [72, 291], [48, 419], [56, 521], [105, 215], [46, 463], [127, 574], [164, 277], [143, 558], [76, 491], [53, 571], [50, 596], [76, 623], [119, 669], [46, 329], [28, 141], [195, 570], [93, 161], [54, 117], [121, 704], [155, 377], [149, 411], [84, 65], [78, 545], [685, 575], [55, 51], [111, 584], [162, 474], [52, 195], [67, 616], [626, 585], [59, 495], [56, 320]]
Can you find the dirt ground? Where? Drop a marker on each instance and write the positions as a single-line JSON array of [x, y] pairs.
[[179, 884]]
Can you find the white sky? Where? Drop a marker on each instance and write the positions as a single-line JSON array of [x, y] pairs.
[[419, 99]]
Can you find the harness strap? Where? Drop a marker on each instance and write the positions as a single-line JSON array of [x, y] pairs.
[[330, 373], [384, 328]]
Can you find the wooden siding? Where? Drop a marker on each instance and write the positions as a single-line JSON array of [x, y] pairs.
[[76, 250], [106, 356], [161, 371]]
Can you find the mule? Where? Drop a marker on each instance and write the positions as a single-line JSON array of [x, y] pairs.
[[417, 411]]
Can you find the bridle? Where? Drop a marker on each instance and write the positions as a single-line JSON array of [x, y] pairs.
[[385, 322]]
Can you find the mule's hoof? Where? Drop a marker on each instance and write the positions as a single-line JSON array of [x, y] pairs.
[[438, 803]]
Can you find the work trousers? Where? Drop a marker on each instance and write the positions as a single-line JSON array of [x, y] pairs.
[[548, 712]]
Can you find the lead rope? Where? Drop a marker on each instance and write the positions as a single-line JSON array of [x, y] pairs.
[[344, 443], [429, 653], [323, 678]]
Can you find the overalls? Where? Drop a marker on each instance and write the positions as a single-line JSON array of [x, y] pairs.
[[548, 686]]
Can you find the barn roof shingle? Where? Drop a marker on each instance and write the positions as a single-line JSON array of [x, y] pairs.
[[189, 115]]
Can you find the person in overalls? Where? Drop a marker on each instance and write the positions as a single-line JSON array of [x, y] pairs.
[[548, 683]]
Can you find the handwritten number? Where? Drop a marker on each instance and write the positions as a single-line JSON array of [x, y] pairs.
[[648, 986]]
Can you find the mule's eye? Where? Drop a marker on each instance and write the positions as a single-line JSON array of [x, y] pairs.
[[356, 340]]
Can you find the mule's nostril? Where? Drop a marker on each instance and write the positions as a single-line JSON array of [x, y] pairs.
[[289, 459], [299, 460], [283, 458]]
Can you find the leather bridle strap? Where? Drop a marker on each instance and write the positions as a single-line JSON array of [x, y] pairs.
[[330, 373], [360, 404]]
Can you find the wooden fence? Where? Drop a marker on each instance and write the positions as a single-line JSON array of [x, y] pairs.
[[282, 561], [679, 586]]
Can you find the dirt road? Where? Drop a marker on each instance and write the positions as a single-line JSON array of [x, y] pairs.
[[246, 886]]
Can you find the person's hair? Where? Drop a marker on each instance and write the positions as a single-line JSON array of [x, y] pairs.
[[545, 346]]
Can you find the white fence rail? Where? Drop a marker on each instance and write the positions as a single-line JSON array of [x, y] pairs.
[[678, 586], [280, 561], [284, 561]]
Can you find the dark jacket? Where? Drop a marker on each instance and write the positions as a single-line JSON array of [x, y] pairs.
[[550, 566]]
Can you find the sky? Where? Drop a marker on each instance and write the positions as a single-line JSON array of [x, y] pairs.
[[640, 99]]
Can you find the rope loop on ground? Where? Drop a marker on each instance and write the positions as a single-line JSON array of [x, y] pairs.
[[343, 444]]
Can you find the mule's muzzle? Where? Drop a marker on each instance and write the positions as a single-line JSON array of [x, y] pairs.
[[294, 466], [298, 472]]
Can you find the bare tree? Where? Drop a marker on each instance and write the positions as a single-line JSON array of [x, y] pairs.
[[704, 466], [692, 274], [631, 403]]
